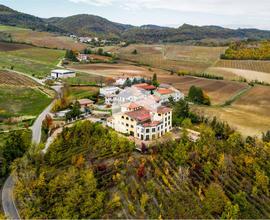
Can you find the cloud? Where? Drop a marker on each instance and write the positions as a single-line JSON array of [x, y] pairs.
[[222, 7]]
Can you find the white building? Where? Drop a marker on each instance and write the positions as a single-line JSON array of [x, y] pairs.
[[61, 73], [145, 119], [129, 94], [164, 92], [82, 57], [110, 90]]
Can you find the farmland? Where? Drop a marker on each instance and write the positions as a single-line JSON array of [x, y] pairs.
[[30, 60], [12, 79], [80, 92], [249, 114], [219, 91], [20, 99], [41, 39], [238, 74], [259, 66], [172, 57]]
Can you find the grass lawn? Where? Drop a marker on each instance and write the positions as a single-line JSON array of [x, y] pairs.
[[21, 101], [81, 92], [83, 79], [33, 61]]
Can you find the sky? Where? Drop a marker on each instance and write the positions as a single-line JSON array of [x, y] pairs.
[[227, 13]]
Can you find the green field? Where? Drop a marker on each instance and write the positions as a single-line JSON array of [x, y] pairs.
[[83, 92], [34, 61], [21, 101]]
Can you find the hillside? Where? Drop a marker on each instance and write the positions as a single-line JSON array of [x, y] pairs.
[[85, 25], [89, 24], [91, 172], [11, 17]]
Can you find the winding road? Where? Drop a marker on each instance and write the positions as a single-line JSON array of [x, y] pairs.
[[8, 202]]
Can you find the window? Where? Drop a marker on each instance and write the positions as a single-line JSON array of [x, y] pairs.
[[153, 130], [123, 117], [127, 118], [147, 137], [165, 124], [132, 126], [153, 136], [127, 125], [147, 130], [132, 120], [159, 114]]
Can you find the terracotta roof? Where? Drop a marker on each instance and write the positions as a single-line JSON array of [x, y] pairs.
[[131, 105], [145, 86], [163, 110], [140, 115], [163, 91], [152, 124], [85, 101]]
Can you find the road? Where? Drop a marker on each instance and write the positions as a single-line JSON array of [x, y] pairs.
[[36, 128], [9, 207], [8, 202]]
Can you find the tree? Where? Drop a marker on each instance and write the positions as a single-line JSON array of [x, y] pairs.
[[144, 199], [155, 80], [75, 111], [215, 199], [141, 171], [47, 123], [127, 83], [71, 55], [100, 51], [16, 145], [134, 52], [197, 95], [231, 211], [266, 136], [180, 111]]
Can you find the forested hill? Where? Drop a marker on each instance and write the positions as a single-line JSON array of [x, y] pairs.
[[84, 24], [90, 25], [11, 17]]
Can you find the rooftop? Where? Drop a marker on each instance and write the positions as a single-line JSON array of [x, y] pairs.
[[145, 86], [163, 110], [164, 91], [62, 71], [85, 101], [131, 105], [141, 115], [152, 124]]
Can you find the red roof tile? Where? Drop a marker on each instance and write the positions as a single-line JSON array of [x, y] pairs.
[[163, 110], [163, 91], [140, 115], [145, 86], [152, 124]]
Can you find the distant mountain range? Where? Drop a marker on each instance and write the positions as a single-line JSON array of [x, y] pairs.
[[90, 25]]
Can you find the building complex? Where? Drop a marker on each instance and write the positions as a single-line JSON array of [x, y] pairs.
[[141, 111]]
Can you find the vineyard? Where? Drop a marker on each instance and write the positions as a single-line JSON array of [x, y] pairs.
[[260, 66], [33, 61], [172, 57], [175, 180], [12, 79], [41, 39]]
